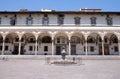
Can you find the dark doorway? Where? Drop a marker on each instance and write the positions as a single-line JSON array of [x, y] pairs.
[[106, 49], [73, 49], [58, 50], [100, 49], [15, 51], [22, 50]]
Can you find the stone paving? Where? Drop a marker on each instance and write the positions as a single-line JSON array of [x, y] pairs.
[[38, 69]]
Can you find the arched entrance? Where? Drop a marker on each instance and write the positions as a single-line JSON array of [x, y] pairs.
[[94, 44], [11, 44], [45, 44], [61, 41], [28, 44], [110, 44], [77, 44]]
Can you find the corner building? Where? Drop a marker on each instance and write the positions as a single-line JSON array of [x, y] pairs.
[[84, 32]]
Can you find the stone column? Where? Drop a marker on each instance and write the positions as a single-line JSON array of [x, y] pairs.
[[3, 46], [36, 47], [52, 44], [69, 39], [19, 46], [36, 41], [52, 47], [20, 37], [102, 45], [69, 48], [86, 46]]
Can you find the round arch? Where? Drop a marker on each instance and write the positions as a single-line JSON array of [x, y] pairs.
[[94, 41], [94, 38], [78, 37], [111, 44], [77, 42], [44, 36], [61, 41], [28, 44], [11, 44], [59, 34]]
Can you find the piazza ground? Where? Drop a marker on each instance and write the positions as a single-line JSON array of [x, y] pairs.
[[39, 69]]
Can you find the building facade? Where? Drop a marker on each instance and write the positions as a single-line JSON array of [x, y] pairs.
[[84, 32]]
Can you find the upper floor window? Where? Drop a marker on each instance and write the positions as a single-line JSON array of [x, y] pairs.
[[114, 39], [75, 40], [46, 39], [60, 40], [60, 19], [29, 20], [90, 39], [77, 20], [109, 21], [105, 40], [31, 40], [45, 20], [17, 39], [7, 40], [1, 40], [13, 20], [93, 21]]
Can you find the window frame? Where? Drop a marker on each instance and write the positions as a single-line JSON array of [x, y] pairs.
[[109, 21], [45, 48], [93, 21], [77, 20]]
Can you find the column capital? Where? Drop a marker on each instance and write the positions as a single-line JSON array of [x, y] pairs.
[[102, 34]]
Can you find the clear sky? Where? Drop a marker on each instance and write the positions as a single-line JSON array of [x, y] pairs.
[[15, 5]]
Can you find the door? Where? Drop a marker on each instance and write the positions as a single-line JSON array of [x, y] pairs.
[[73, 49], [15, 51], [58, 50], [106, 49], [100, 49], [22, 50]]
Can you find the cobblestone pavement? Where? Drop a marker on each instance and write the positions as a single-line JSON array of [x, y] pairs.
[[38, 69]]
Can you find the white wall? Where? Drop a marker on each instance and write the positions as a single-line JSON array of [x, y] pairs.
[[68, 19]]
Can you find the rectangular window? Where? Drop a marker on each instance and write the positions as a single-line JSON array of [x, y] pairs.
[[91, 49], [6, 48], [22, 39], [45, 48], [1, 40], [58, 40], [1, 48], [30, 48], [105, 40], [16, 39], [109, 20], [45, 20], [60, 19], [13, 20], [116, 49], [29, 20], [63, 40], [93, 21], [84, 49], [100, 40], [77, 20]]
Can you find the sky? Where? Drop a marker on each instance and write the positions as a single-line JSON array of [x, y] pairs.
[[36, 5]]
